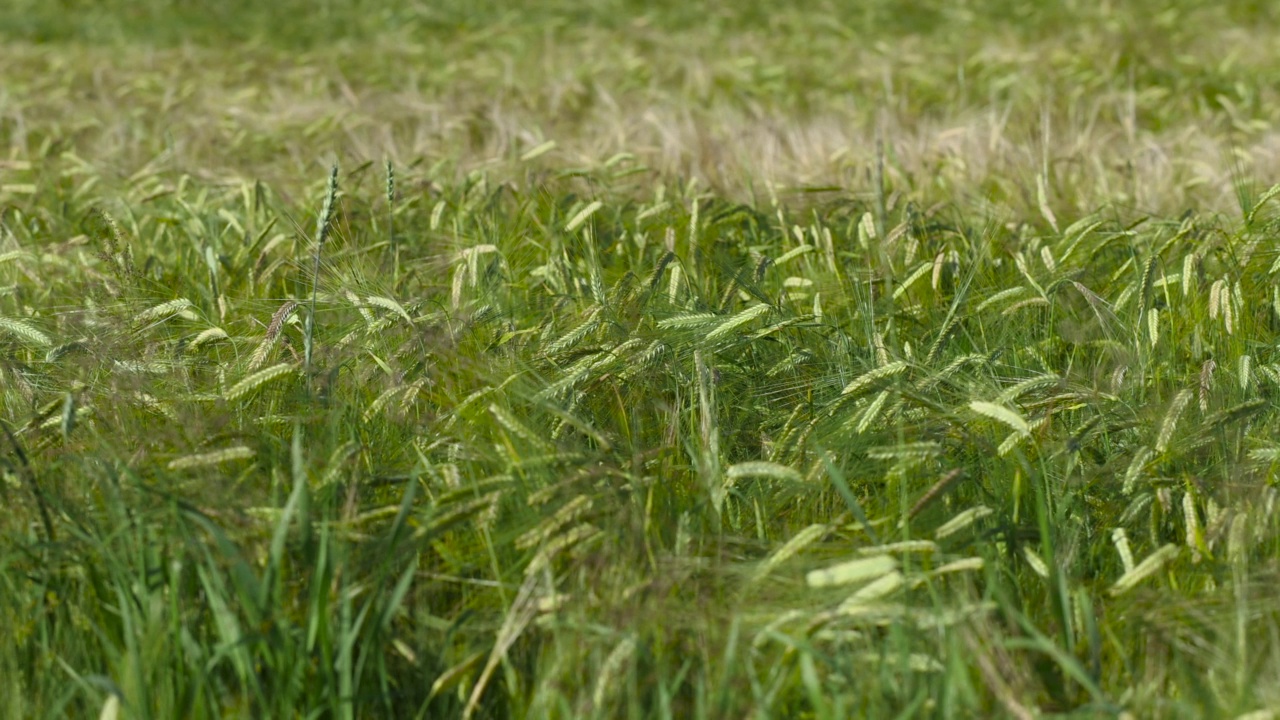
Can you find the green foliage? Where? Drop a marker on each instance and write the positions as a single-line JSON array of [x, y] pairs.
[[528, 436]]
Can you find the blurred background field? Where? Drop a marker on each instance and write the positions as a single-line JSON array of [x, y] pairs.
[[1150, 106], [663, 359]]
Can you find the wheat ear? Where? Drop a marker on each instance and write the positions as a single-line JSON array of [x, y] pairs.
[[322, 234], [391, 223]]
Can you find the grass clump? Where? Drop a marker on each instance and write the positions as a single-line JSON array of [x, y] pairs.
[[633, 421]]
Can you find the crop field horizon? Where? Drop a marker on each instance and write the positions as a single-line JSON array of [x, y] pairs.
[[621, 359]]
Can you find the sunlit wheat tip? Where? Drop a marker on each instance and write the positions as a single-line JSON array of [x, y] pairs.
[[1265, 454], [457, 673], [904, 546], [1036, 562], [606, 681], [1262, 200], [971, 564], [1029, 302], [216, 457], [961, 521], [110, 708], [906, 451], [674, 283], [567, 515], [583, 215], [1001, 414], [163, 311], [515, 426], [768, 632], [1121, 541], [12, 255], [852, 571], [1206, 383], [1191, 520], [24, 331], [882, 353], [912, 662], [1136, 466], [1000, 297], [872, 412], [1015, 438], [742, 318], [1118, 378], [1029, 385], [380, 402], [1170, 423], [560, 543], [792, 254], [1046, 257], [1229, 309], [204, 337], [906, 284], [689, 321], [868, 378], [763, 469], [387, 303], [154, 404], [797, 543], [258, 379], [1042, 197], [1145, 569], [879, 588], [437, 214], [538, 151]]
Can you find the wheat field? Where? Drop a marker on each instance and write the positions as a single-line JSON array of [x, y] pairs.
[[619, 359]]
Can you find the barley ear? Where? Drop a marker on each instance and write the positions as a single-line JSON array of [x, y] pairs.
[[391, 222], [322, 234]]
